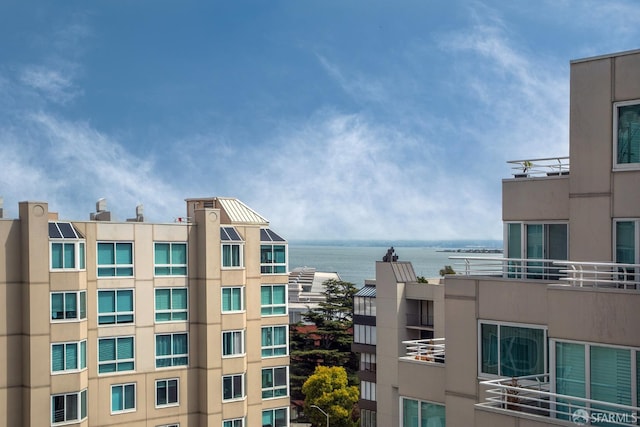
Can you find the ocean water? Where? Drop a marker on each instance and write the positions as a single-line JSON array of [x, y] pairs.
[[355, 261]]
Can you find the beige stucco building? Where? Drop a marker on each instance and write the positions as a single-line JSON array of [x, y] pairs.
[[549, 334], [143, 324]]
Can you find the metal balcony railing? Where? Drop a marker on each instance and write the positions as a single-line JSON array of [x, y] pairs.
[[549, 166], [533, 395], [601, 274], [430, 350]]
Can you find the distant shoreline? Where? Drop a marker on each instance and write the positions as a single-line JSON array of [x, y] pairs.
[[472, 251], [445, 245]]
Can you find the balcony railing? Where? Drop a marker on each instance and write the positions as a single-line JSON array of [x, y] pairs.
[[549, 166], [533, 395], [574, 273], [431, 350]]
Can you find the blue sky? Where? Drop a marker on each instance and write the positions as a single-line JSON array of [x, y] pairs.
[[333, 119]]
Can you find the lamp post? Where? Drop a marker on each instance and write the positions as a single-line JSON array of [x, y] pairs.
[[320, 409]]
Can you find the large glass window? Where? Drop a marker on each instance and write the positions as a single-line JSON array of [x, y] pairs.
[[66, 249], [275, 417], [512, 351], [116, 354], [418, 413], [167, 392], [626, 244], [232, 343], [115, 259], [368, 390], [170, 259], [232, 299], [536, 242], [627, 134], [233, 387], [275, 382], [273, 300], [274, 341], [123, 398], [115, 306], [236, 422], [232, 255], [68, 357], [273, 259], [364, 334], [69, 407], [171, 304], [172, 350], [68, 305]]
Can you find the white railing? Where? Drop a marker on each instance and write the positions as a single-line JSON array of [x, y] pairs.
[[428, 350], [532, 395], [575, 273], [549, 166]]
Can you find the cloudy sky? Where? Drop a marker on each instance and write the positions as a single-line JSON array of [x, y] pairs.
[[334, 119]]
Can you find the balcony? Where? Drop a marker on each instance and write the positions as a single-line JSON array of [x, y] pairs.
[[549, 166], [573, 273], [431, 350], [532, 396]]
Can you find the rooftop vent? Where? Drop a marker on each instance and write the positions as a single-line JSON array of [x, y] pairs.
[[1, 207], [101, 214], [139, 214]]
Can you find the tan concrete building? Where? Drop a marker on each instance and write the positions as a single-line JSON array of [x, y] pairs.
[[143, 324], [549, 334]]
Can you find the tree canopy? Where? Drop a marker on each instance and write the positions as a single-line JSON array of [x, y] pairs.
[[328, 389]]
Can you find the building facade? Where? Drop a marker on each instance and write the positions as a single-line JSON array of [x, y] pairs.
[[143, 324]]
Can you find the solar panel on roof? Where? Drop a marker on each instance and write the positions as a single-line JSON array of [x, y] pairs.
[[273, 237], [264, 237], [229, 234], [67, 230], [54, 233]]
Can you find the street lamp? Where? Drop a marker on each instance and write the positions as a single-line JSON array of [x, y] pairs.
[[320, 409]]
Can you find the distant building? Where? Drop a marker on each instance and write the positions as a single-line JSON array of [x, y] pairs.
[[306, 290], [144, 324]]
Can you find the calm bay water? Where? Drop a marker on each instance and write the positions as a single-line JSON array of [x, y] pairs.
[[355, 261]]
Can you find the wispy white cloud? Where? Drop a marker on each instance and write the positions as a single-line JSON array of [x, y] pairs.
[[53, 84]]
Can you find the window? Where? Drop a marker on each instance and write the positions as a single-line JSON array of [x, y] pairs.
[[167, 392], [170, 259], [115, 355], [364, 334], [365, 305], [368, 362], [232, 299], [273, 300], [171, 304], [68, 357], [115, 306], [367, 390], [172, 350], [232, 343], [123, 398], [237, 422], [626, 244], [70, 407], [275, 382], [67, 247], [115, 259], [512, 351], [275, 417], [626, 120], [232, 247], [233, 387], [416, 413], [273, 256], [536, 242], [68, 305], [367, 418], [274, 341]]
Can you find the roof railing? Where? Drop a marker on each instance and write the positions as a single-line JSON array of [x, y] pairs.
[[548, 166]]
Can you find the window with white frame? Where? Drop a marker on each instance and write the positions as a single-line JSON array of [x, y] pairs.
[[68, 357], [626, 134], [233, 343], [273, 300], [273, 252], [536, 241], [626, 235], [115, 259], [67, 306], [274, 341], [170, 259], [236, 422], [364, 334], [232, 248], [232, 299], [512, 350], [172, 350], [172, 304], [416, 413], [275, 382], [116, 354], [233, 387], [67, 247], [278, 417], [368, 390], [68, 408], [115, 306], [123, 398], [167, 392]]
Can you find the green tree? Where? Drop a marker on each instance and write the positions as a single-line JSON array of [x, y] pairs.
[[447, 270], [328, 389]]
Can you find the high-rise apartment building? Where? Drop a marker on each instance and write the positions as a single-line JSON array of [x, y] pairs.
[[549, 334], [143, 324]]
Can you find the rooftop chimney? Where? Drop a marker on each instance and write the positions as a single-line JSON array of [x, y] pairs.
[[101, 214]]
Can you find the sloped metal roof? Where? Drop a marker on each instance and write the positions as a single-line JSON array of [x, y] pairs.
[[238, 212], [404, 272], [367, 291]]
